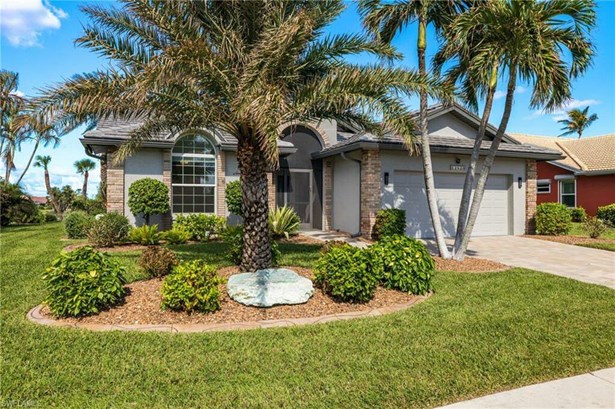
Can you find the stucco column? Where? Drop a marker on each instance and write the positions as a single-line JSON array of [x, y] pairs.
[[167, 218], [115, 185], [327, 223], [530, 196], [221, 184], [370, 189]]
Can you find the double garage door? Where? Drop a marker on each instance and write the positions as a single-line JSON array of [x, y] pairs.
[[494, 217]]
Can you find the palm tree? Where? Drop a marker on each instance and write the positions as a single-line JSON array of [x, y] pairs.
[[385, 20], [12, 131], [245, 68], [43, 162], [84, 166], [577, 122], [524, 40], [42, 132]]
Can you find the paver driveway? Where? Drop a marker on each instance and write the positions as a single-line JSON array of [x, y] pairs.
[[580, 263]]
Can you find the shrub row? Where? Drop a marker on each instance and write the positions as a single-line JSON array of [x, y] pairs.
[[396, 262], [607, 214], [553, 219]]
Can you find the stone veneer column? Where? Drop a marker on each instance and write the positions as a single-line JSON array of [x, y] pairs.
[[327, 223], [115, 185], [530, 196], [221, 184], [167, 218], [370, 189]]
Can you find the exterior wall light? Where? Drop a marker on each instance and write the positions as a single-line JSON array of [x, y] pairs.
[[386, 178], [520, 182]]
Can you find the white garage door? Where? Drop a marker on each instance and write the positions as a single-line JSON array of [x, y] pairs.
[[493, 217]]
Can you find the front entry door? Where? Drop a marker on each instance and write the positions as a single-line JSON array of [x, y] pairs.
[[294, 189]]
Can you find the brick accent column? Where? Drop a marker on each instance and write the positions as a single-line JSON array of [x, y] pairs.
[[167, 218], [370, 189], [530, 196], [115, 185], [271, 189], [327, 223], [221, 184]]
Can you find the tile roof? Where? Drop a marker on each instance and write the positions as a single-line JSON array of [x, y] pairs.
[[589, 154]]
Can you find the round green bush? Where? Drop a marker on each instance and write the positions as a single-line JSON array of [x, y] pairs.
[[83, 282], [389, 222], [578, 214], [201, 227], [108, 230], [193, 286], [148, 197], [607, 214], [406, 264], [233, 197], [348, 274], [552, 219], [77, 223]]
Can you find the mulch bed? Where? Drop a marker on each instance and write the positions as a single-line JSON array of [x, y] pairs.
[[116, 249], [574, 240], [469, 265], [142, 306]]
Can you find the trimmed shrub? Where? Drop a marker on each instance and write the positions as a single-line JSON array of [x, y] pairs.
[[193, 286], [146, 235], [552, 219], [578, 214], [50, 217], [83, 282], [201, 227], [176, 236], [607, 214], [389, 222], [347, 273], [594, 227], [25, 211], [283, 222], [77, 223], [331, 244], [233, 237], [108, 230], [158, 261], [91, 206], [233, 197], [148, 197], [406, 264]]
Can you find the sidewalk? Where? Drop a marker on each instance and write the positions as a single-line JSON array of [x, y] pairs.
[[593, 390]]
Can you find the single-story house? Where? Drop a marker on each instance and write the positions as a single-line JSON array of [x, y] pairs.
[[584, 178], [334, 176]]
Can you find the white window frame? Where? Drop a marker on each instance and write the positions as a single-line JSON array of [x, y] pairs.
[[546, 182], [561, 191], [213, 156]]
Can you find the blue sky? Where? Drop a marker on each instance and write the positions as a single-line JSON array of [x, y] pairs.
[[37, 41]]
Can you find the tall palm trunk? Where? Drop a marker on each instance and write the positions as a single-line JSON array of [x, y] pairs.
[[8, 161], [84, 191], [29, 160], [255, 207], [430, 189], [486, 169], [54, 203], [468, 185]]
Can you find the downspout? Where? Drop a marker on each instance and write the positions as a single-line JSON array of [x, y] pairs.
[[103, 160], [357, 161]]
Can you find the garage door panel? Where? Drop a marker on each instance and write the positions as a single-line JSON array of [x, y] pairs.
[[409, 190]]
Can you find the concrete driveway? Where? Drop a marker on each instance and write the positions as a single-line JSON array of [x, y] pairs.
[[580, 263]]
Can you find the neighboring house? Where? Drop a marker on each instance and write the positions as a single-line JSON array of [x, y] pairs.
[[584, 178], [335, 177], [39, 200]]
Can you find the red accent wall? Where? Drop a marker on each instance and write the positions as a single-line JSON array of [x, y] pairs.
[[592, 191], [595, 191]]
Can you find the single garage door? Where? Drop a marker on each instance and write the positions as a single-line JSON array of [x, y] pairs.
[[494, 217]]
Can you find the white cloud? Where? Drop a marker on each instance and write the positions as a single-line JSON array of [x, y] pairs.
[[19, 93], [562, 112], [23, 20], [502, 94], [34, 181]]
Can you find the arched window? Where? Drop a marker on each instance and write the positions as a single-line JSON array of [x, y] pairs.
[[193, 175]]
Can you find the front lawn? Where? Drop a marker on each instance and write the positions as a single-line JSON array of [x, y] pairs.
[[480, 333], [606, 241]]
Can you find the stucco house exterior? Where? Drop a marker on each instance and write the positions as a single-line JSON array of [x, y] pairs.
[[335, 177], [584, 178]]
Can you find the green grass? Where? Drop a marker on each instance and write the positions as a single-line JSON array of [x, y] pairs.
[[578, 230], [480, 333]]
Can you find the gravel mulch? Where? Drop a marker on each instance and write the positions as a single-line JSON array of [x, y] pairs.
[[142, 306], [469, 265], [574, 240]]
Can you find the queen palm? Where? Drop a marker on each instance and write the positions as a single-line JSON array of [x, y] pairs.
[[385, 20], [577, 122], [245, 68], [43, 162], [524, 40], [12, 129], [84, 166], [40, 132]]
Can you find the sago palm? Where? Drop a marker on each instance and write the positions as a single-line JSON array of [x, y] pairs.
[[385, 20], [577, 122], [526, 40], [243, 67], [83, 167]]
